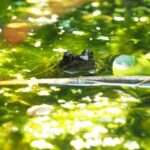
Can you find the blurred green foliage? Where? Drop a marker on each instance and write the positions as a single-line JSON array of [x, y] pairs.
[[4, 5]]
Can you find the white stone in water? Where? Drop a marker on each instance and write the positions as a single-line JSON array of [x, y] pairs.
[[40, 110]]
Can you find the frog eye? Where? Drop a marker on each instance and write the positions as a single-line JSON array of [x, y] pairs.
[[87, 53], [68, 56]]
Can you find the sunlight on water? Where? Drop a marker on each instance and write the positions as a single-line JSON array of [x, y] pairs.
[[61, 50], [78, 32], [38, 44], [109, 141], [131, 145], [96, 13], [27, 89], [41, 144], [54, 88], [103, 38], [78, 144], [43, 92], [119, 18], [95, 4]]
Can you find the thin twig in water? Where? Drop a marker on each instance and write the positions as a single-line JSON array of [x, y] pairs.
[[132, 81]]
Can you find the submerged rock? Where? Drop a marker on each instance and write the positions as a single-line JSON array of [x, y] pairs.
[[39, 110]]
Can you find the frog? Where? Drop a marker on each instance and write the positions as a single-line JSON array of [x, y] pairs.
[[78, 64]]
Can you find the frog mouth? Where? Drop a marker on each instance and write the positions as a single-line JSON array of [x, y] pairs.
[[86, 68]]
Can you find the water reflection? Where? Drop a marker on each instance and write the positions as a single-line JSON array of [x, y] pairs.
[[15, 31], [98, 121], [42, 12]]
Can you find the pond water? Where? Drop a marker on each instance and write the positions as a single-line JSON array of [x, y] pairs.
[[33, 38]]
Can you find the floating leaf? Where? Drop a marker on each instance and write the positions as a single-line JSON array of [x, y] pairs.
[[130, 65], [123, 64]]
